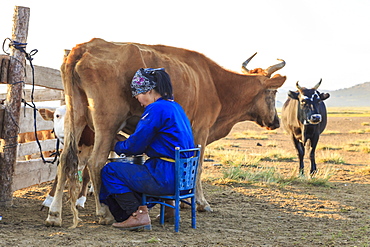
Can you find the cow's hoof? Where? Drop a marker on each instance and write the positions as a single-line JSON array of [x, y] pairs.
[[206, 208], [53, 221], [106, 221], [81, 202], [48, 200]]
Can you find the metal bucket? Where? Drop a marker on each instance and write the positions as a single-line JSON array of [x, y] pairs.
[[135, 159]]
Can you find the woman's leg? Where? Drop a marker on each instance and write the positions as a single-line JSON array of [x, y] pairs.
[[120, 180]]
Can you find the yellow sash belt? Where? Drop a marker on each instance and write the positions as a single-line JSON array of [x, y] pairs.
[[167, 159]]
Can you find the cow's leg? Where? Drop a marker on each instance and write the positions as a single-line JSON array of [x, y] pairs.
[[50, 197], [314, 142], [83, 156], [300, 152], [202, 204], [85, 182], [67, 167], [55, 210], [96, 162]]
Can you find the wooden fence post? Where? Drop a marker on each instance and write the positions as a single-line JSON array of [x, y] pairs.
[[16, 77]]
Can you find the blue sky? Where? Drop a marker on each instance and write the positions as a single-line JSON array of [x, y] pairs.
[[326, 39]]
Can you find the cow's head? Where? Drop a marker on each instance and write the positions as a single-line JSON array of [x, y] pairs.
[[265, 112], [308, 103], [57, 117]]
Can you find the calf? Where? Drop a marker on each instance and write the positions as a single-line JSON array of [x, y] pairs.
[[304, 118], [57, 117]]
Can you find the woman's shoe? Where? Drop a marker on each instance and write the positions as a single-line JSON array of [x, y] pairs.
[[139, 220]]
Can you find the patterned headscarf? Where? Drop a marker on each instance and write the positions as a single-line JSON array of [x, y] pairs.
[[143, 81]]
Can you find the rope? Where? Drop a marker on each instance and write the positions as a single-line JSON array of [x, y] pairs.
[[29, 56]]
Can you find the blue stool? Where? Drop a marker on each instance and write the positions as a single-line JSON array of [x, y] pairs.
[[186, 170]]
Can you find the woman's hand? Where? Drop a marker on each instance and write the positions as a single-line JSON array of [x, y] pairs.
[[118, 138]]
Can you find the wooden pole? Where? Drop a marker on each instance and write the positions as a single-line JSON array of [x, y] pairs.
[[16, 76]]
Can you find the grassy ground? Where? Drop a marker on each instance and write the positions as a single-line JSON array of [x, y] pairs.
[[251, 181]]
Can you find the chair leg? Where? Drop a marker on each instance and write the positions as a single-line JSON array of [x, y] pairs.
[[193, 213], [161, 219], [177, 215], [143, 200]]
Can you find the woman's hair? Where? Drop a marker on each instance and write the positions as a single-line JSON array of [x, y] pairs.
[[163, 82]]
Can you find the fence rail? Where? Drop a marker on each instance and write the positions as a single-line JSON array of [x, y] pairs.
[[28, 172]]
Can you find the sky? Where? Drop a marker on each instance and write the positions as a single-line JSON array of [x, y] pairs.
[[326, 39]]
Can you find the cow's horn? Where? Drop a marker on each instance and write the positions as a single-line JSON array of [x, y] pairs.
[[317, 85], [244, 65], [299, 87], [66, 52], [274, 68]]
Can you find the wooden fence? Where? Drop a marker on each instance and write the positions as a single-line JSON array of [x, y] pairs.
[[35, 171]]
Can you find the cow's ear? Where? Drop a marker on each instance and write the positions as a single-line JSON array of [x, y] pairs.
[[324, 96], [275, 82], [293, 95], [46, 114]]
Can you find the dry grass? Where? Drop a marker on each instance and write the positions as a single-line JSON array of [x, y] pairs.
[[239, 156], [330, 157], [348, 111], [328, 147], [250, 135]]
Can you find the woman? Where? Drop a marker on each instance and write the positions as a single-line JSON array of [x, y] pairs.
[[163, 126]]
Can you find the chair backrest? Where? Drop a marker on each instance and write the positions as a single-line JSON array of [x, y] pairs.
[[186, 168]]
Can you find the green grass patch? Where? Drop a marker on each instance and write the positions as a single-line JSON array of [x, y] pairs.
[[252, 175], [231, 157], [272, 176], [277, 155]]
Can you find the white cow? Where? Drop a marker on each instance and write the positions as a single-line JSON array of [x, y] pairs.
[[57, 117]]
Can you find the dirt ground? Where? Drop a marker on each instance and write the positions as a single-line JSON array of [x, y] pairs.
[[244, 214]]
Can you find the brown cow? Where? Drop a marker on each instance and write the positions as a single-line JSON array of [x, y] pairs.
[[96, 77]]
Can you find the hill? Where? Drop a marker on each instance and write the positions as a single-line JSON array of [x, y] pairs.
[[356, 96]]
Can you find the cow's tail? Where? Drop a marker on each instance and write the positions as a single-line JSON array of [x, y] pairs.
[[70, 145]]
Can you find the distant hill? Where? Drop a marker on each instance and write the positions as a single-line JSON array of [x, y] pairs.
[[356, 96]]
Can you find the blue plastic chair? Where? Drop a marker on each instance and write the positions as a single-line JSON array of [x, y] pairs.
[[186, 170]]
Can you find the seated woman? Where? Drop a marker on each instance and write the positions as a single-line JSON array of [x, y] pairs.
[[163, 126]]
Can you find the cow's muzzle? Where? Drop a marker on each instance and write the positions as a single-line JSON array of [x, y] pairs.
[[274, 125], [315, 119]]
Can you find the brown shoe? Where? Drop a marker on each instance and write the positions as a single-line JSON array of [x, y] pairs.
[[139, 220], [169, 213]]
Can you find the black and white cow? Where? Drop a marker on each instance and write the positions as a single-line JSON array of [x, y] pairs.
[[304, 117]]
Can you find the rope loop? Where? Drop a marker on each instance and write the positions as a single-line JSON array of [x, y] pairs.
[[29, 56]]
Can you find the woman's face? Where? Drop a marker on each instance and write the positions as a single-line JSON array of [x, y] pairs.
[[146, 98]]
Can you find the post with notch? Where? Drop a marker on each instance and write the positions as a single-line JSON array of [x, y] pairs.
[[15, 80]]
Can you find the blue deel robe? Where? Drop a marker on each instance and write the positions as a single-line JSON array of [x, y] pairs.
[[163, 126]]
